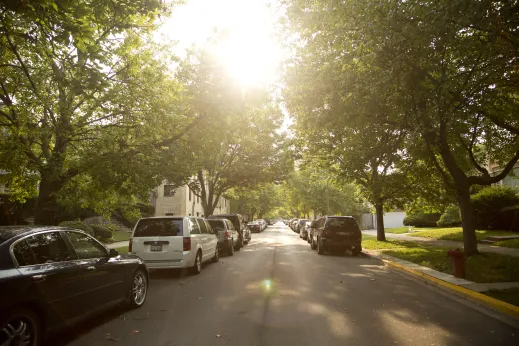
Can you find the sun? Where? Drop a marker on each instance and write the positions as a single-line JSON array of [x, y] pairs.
[[249, 49]]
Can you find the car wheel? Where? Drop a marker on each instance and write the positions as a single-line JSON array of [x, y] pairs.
[[230, 249], [216, 257], [313, 246], [139, 289], [20, 327], [197, 267], [356, 251], [239, 245], [320, 249]]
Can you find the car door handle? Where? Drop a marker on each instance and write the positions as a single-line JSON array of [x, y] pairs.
[[39, 278], [90, 268]]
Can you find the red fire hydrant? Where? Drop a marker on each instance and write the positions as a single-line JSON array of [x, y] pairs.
[[458, 262]]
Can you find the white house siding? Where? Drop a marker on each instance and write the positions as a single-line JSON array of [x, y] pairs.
[[179, 203], [392, 219]]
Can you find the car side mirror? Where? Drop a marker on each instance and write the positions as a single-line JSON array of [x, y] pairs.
[[113, 253]]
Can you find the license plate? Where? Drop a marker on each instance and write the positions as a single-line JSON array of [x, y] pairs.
[[342, 233], [156, 248]]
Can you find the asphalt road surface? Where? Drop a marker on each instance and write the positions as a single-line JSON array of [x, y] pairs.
[[276, 291]]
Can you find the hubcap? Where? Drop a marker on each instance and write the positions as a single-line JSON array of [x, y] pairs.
[[17, 332], [139, 288]]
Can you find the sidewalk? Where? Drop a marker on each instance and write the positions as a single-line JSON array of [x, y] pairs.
[[461, 287], [117, 244], [448, 243]]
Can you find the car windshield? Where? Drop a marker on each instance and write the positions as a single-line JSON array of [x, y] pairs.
[[159, 227]]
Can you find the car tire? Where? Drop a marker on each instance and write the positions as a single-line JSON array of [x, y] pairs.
[[197, 267], [230, 249], [320, 248], [139, 289], [23, 324], [313, 246], [239, 245], [216, 257], [356, 251]]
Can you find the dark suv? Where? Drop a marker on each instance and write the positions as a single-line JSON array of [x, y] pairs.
[[336, 233], [239, 223]]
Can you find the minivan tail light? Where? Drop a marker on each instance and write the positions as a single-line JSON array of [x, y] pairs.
[[227, 235], [130, 245], [187, 243]]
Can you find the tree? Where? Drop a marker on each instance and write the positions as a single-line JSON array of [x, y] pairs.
[[449, 69], [236, 145], [257, 200], [87, 101]]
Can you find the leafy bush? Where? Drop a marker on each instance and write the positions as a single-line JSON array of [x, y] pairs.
[[450, 218], [77, 225], [492, 207], [101, 231], [421, 219]]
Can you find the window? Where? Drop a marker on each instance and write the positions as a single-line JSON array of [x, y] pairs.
[[23, 254], [225, 202], [215, 224], [189, 193], [197, 214], [193, 226], [49, 247], [230, 225], [203, 227], [169, 190], [159, 227], [197, 199], [85, 246]]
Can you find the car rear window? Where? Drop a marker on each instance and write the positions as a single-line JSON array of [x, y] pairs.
[[159, 227], [216, 224], [343, 224]]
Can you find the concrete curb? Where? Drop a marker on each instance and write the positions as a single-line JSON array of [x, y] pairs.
[[495, 304]]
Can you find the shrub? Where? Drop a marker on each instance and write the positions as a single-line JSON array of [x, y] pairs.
[[421, 219], [77, 225], [492, 207], [101, 231], [450, 218]]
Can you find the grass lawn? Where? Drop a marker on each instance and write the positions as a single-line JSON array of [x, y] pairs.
[[371, 243], [486, 267], [510, 295], [398, 230], [508, 243], [455, 233], [122, 250]]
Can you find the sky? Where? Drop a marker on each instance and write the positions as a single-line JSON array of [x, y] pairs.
[[251, 50]]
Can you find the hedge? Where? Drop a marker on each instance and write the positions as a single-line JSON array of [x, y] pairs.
[[450, 218], [493, 207], [101, 231], [421, 219]]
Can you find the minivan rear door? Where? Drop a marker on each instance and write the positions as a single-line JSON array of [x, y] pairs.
[[159, 239]]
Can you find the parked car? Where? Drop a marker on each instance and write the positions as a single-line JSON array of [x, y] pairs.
[[228, 235], [239, 223], [310, 230], [299, 224], [254, 226], [167, 242], [291, 224], [303, 232], [51, 277], [337, 233], [262, 223]]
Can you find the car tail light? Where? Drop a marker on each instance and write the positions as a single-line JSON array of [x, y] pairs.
[[130, 245], [227, 235], [187, 243]]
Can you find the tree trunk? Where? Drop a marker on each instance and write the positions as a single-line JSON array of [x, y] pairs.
[[47, 207], [379, 208], [470, 242]]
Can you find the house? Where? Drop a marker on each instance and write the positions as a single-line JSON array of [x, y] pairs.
[[392, 219], [5, 181], [169, 200], [511, 180]]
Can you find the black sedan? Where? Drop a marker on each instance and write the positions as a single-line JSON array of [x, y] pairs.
[[51, 277]]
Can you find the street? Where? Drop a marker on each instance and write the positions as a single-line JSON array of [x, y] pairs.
[[276, 291]]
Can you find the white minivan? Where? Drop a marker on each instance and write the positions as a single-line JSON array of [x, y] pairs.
[[167, 242]]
